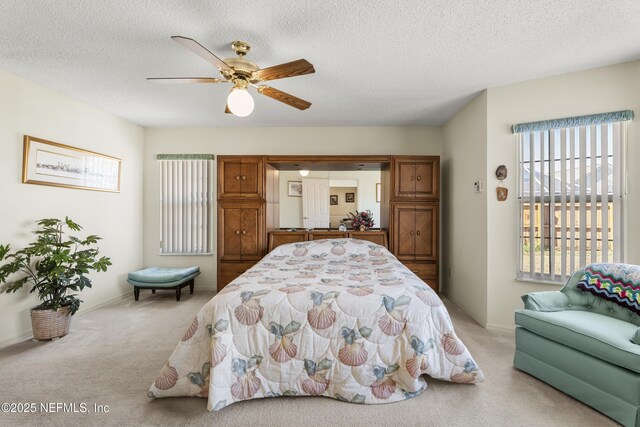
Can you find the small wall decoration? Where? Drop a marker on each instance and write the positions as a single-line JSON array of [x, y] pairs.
[[50, 163], [294, 188], [501, 193], [350, 197], [378, 192], [333, 199], [501, 172]]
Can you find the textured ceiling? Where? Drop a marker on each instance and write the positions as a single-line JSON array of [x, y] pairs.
[[377, 62]]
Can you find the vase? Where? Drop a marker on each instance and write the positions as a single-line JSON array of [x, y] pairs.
[[363, 228]]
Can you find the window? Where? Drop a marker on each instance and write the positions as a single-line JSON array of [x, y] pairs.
[[186, 203], [571, 194]]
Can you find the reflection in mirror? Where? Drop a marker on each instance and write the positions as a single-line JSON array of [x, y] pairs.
[[346, 191]]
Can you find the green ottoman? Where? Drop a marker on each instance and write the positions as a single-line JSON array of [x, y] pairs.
[[163, 278]]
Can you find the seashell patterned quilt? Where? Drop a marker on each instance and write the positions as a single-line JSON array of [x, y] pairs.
[[341, 318]]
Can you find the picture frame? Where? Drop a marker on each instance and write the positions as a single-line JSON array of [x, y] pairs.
[[378, 192], [294, 188], [59, 165], [350, 197], [333, 199]]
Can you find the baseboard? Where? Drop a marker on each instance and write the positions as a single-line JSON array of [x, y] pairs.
[[23, 336], [483, 324], [501, 328], [16, 339]]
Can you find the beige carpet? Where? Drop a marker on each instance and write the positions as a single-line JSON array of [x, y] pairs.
[[114, 353]]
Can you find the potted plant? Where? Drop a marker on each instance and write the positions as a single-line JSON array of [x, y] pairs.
[[56, 265]]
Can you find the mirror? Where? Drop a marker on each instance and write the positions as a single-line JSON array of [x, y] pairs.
[[332, 194]]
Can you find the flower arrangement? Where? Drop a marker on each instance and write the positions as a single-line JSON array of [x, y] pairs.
[[361, 220]]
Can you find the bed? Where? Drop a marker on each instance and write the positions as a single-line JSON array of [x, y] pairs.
[[340, 318]]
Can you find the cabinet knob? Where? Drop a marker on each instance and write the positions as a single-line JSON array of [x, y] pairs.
[[411, 233], [415, 271], [418, 178], [412, 178], [418, 232], [237, 231], [244, 178], [244, 232], [237, 177]]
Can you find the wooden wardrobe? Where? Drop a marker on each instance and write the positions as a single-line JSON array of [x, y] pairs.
[[248, 208], [414, 208]]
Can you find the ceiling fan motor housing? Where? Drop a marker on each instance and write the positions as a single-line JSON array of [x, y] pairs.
[[241, 69]]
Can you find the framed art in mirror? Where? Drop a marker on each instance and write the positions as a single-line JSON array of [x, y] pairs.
[[294, 188]]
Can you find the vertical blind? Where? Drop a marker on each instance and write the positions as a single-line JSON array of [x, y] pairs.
[[571, 194], [186, 203]]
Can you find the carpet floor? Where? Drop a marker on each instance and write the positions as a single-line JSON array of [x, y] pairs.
[[113, 354]]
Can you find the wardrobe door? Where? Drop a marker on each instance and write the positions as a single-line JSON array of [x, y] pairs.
[[229, 173], [426, 232], [249, 238], [251, 177], [230, 246], [404, 178], [240, 177], [404, 220], [427, 178], [241, 226]]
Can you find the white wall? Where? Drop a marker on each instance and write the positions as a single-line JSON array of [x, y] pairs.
[[464, 213], [598, 90], [272, 140], [27, 108], [291, 207]]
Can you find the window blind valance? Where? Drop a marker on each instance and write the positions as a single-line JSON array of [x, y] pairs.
[[591, 119], [185, 156]]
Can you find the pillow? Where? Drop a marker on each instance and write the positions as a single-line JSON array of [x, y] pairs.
[[319, 249], [545, 301], [619, 283], [636, 337]]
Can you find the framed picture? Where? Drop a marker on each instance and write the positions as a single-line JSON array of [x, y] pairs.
[[350, 197], [294, 188], [50, 163], [333, 199], [378, 192]]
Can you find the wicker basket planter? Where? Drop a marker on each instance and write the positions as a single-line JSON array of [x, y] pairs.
[[50, 324]]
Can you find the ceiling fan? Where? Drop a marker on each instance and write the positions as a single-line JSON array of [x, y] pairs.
[[242, 74]]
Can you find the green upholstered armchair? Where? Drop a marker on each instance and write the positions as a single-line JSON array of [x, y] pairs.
[[584, 346]]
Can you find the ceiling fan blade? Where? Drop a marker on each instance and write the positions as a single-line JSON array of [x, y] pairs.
[[226, 110], [185, 80], [281, 96], [202, 52], [290, 69]]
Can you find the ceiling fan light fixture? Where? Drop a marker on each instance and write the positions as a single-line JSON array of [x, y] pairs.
[[240, 102]]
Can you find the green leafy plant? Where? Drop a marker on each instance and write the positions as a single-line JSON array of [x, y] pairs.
[[56, 264]]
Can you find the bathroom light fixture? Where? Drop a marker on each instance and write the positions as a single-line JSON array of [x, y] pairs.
[[303, 172]]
